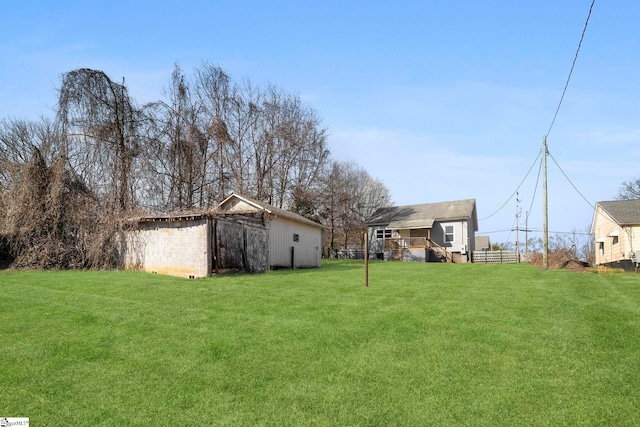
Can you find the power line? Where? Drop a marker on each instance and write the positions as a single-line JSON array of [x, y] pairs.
[[549, 130], [535, 190], [572, 184], [572, 65], [516, 190], [537, 230]]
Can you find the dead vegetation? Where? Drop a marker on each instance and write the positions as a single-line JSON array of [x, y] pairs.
[[52, 221], [67, 184], [562, 259]]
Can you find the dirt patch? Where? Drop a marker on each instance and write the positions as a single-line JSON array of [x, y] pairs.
[[558, 261]]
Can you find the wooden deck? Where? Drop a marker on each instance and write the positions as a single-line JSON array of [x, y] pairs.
[[397, 245]]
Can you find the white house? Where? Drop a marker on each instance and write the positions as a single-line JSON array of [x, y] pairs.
[[442, 231], [616, 231]]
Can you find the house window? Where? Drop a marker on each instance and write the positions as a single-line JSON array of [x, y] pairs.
[[448, 233], [601, 248], [296, 237], [615, 240], [383, 234]]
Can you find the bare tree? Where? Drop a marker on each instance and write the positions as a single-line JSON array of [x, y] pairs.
[[350, 197], [291, 153], [213, 89], [629, 190], [100, 121], [103, 158], [178, 146]]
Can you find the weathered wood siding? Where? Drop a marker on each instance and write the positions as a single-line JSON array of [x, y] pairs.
[[230, 245], [307, 249], [178, 248], [257, 249], [241, 244]]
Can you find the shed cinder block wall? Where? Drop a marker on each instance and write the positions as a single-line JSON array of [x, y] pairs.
[[177, 248]]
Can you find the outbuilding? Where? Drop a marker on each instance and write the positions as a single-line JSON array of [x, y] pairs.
[[240, 234], [293, 240]]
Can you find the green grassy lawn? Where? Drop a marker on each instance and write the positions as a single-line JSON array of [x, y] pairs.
[[425, 344]]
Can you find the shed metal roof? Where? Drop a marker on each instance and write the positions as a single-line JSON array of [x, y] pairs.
[[223, 207], [248, 205]]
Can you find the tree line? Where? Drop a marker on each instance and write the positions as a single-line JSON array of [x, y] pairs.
[[69, 182]]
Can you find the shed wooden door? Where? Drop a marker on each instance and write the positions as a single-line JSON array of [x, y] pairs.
[[230, 245]]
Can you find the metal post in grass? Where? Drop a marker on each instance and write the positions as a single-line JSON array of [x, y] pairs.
[[366, 259]]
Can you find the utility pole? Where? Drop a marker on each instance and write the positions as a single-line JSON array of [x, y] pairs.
[[526, 233], [545, 208], [517, 227]]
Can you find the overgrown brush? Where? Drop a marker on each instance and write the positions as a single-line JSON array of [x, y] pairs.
[[52, 221]]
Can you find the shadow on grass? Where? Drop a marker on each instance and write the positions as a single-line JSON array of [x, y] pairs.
[[328, 264]]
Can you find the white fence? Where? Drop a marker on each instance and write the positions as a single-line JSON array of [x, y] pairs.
[[494, 257]]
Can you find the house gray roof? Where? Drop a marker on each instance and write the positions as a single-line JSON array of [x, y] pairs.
[[424, 215], [624, 212]]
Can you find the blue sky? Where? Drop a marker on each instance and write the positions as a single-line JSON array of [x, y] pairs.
[[440, 100]]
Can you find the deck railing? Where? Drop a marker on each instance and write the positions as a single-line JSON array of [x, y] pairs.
[[417, 243], [405, 243]]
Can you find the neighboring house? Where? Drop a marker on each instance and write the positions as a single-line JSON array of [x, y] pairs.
[[483, 243], [241, 234], [426, 232], [616, 231]]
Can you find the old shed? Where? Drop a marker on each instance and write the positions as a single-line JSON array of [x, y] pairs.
[[294, 241], [241, 234]]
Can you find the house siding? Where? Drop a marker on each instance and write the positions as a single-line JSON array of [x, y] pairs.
[[307, 250], [606, 251], [460, 244]]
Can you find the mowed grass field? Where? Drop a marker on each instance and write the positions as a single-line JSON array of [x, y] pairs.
[[424, 344]]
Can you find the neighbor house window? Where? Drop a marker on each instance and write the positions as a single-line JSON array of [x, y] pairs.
[[615, 240], [448, 233], [601, 248], [296, 237], [383, 234]]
